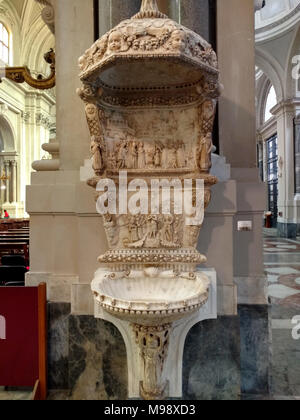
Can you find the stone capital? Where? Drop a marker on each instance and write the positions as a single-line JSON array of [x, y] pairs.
[[287, 106]]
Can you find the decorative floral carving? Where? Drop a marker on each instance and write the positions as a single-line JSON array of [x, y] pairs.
[[26, 116], [149, 36], [43, 120], [150, 101], [92, 115], [88, 93], [162, 256]]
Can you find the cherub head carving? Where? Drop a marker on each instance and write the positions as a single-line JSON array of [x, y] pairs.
[[91, 111], [115, 41], [178, 40]]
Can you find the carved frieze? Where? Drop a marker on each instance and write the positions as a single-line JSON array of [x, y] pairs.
[[148, 37], [43, 120]]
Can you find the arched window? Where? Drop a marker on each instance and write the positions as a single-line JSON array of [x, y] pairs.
[[271, 102], [4, 44]]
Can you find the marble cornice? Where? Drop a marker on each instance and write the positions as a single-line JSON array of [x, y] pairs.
[[268, 128], [28, 91], [286, 106]]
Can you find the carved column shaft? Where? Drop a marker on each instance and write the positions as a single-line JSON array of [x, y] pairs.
[[153, 345]]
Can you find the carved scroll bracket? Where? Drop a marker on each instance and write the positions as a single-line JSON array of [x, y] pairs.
[[23, 74], [48, 14]]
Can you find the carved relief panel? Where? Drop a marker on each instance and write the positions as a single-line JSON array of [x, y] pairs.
[[150, 88]]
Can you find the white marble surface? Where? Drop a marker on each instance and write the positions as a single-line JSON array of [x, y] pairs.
[[272, 278], [179, 332], [281, 292], [282, 270]]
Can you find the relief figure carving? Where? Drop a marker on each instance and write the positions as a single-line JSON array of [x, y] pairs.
[[97, 154]]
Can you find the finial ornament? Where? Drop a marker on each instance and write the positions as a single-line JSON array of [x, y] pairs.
[[149, 9], [148, 5]]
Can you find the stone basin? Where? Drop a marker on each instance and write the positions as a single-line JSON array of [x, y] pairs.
[[150, 297]]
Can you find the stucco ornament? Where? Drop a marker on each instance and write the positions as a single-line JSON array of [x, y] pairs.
[[150, 88], [259, 4], [48, 14]]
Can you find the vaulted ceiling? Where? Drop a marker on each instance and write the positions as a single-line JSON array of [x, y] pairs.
[[31, 36]]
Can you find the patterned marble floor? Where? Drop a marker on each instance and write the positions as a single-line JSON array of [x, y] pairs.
[[282, 267], [283, 272]]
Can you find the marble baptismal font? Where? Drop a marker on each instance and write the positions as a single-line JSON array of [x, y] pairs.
[[150, 88]]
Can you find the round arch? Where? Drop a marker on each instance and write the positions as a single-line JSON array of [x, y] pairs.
[[262, 86], [292, 83], [7, 138], [272, 70]]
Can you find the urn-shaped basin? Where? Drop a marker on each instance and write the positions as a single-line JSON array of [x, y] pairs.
[[150, 297]]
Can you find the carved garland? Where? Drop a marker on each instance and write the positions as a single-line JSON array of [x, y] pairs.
[[143, 38]]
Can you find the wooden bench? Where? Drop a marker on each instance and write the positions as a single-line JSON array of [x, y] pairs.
[[12, 240], [12, 247], [8, 224]]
